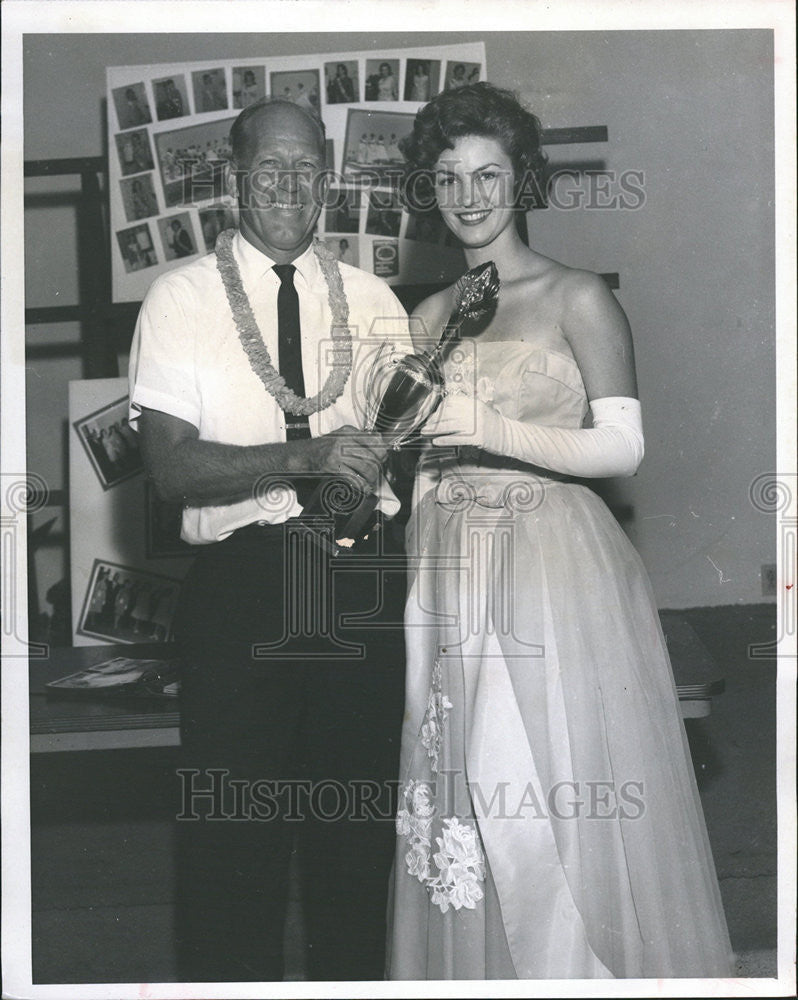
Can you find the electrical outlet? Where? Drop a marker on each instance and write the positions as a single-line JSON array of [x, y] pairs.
[[768, 574]]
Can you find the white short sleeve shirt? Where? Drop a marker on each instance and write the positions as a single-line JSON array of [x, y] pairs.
[[187, 360]]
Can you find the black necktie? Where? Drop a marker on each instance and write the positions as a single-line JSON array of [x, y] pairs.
[[289, 351]]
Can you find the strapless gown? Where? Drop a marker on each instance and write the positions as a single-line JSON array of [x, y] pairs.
[[549, 824]]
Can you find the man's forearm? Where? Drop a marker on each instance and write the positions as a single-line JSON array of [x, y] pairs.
[[200, 472]]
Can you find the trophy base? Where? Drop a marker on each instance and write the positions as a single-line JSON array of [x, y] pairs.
[[342, 533]]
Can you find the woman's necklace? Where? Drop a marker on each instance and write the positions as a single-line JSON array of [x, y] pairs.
[[252, 340]]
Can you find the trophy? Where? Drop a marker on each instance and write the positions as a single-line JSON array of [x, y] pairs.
[[403, 393]]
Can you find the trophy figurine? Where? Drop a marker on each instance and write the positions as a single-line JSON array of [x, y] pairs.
[[403, 393]]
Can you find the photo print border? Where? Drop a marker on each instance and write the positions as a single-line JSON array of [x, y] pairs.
[[106, 622], [102, 462]]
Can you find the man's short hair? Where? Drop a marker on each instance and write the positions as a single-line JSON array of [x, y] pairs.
[[239, 133]]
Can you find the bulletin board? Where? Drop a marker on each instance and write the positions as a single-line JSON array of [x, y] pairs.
[[168, 128]]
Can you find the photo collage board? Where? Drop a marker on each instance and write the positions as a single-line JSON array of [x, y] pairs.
[[169, 125]]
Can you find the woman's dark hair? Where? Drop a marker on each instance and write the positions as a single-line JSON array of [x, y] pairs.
[[478, 109]]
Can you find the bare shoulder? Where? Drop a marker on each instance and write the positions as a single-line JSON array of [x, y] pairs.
[[583, 294], [597, 331]]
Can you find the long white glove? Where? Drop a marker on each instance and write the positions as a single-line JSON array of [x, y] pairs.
[[612, 447]]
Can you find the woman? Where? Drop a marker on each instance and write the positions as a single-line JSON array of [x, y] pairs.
[[458, 77], [341, 89], [250, 92], [386, 84], [420, 82], [549, 823]]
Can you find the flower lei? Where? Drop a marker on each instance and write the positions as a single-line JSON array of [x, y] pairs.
[[252, 340]]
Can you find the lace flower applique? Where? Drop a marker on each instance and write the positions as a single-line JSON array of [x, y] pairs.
[[459, 864], [438, 707]]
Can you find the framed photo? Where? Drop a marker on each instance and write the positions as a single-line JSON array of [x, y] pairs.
[[210, 90], [127, 605], [384, 216], [422, 79], [110, 443], [177, 236], [138, 197], [372, 142], [342, 214], [300, 86], [461, 74], [163, 522], [136, 247], [192, 161], [214, 220], [171, 100], [382, 80], [249, 85], [135, 154], [345, 249], [341, 84], [132, 106]]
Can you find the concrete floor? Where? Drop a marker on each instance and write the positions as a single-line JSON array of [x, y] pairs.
[[102, 847]]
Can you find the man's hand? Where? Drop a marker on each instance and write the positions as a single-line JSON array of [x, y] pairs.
[[351, 453]]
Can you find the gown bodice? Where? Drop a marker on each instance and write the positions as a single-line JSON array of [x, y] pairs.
[[531, 383], [535, 384]]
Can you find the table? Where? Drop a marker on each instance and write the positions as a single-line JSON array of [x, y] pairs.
[[60, 724]]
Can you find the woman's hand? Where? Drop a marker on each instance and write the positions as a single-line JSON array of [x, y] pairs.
[[464, 420], [614, 446]]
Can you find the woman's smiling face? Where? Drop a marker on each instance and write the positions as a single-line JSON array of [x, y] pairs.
[[474, 189]]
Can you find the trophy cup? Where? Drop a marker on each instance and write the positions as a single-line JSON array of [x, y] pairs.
[[403, 393]]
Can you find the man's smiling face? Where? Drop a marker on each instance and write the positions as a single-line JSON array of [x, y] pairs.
[[280, 187]]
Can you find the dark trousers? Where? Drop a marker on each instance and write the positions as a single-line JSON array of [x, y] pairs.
[[290, 735]]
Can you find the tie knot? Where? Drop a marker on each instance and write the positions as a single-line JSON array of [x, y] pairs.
[[285, 272]]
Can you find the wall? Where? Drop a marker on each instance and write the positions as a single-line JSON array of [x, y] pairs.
[[694, 111]]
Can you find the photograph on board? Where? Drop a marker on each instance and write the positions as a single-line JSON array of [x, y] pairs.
[[132, 106], [372, 142], [110, 443], [135, 154], [177, 236], [341, 82], [210, 90], [171, 100], [249, 85], [300, 86], [422, 78], [192, 161], [128, 605], [136, 247], [382, 80]]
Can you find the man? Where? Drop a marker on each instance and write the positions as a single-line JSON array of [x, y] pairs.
[[287, 708], [345, 252], [132, 112], [210, 98], [170, 104], [181, 243]]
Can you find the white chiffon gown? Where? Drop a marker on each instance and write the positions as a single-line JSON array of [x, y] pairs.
[[549, 822]]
